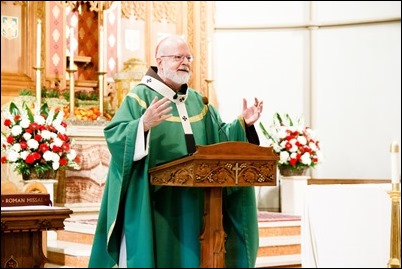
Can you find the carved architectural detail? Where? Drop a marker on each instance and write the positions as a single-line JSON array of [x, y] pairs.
[[136, 8], [165, 11], [15, 3], [245, 173], [45, 224]]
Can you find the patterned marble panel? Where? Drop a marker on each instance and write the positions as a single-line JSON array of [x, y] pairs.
[[86, 184]]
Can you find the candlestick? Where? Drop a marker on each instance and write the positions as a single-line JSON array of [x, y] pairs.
[[72, 48], [38, 88], [395, 162], [102, 84], [395, 236], [101, 50], [38, 42], [72, 93]]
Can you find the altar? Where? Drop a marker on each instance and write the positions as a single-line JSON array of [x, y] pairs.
[[82, 189], [346, 226]]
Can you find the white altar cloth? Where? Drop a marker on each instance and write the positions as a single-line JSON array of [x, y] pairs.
[[346, 226]]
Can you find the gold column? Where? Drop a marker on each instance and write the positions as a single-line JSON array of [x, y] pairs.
[[72, 92], [395, 194], [395, 240]]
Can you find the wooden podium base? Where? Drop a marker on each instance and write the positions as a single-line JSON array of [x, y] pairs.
[[214, 167], [213, 236]]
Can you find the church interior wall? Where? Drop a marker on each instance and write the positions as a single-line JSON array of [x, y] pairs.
[[335, 63]]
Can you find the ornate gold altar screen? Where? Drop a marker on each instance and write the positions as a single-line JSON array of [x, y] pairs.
[[213, 167], [150, 19]]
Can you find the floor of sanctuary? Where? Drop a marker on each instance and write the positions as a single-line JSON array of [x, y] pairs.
[[280, 242]]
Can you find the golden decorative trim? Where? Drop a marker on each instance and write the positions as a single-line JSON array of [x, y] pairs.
[[165, 11], [139, 100], [135, 8], [15, 3], [96, 6], [194, 118]]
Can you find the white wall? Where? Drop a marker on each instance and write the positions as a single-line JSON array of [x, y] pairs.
[[336, 63]]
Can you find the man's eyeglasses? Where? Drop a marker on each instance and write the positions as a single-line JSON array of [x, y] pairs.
[[179, 58]]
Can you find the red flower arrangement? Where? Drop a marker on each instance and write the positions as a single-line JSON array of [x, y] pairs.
[[36, 142], [296, 144]]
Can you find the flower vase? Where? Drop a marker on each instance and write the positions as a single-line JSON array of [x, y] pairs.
[[47, 179], [288, 171]]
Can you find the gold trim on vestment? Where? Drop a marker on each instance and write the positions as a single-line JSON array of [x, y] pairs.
[[139, 100], [194, 118]]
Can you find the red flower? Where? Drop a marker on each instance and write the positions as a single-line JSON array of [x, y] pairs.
[[10, 140], [7, 122]]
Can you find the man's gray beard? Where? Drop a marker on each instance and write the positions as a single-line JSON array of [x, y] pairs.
[[177, 78]]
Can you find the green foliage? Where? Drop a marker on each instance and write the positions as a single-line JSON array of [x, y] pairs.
[[84, 95], [25, 92], [50, 93], [66, 95]]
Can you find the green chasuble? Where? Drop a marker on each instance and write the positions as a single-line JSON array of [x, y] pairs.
[[162, 224]]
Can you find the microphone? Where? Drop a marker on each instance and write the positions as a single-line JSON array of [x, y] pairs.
[[220, 130]]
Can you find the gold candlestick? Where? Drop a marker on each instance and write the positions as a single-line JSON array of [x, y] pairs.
[[38, 85], [395, 239], [72, 92], [102, 78]]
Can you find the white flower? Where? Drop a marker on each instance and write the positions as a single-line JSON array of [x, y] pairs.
[[24, 154], [57, 142], [284, 157], [306, 158], [16, 147], [49, 156], [13, 156], [27, 136], [302, 140], [55, 165], [39, 119], [33, 144], [25, 123], [72, 155], [60, 128], [46, 134], [16, 130]]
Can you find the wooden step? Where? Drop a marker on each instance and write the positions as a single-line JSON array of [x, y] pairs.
[[71, 247], [280, 242], [65, 253]]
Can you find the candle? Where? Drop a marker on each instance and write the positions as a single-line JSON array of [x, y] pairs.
[[101, 52], [395, 162], [71, 48], [38, 42], [38, 89], [209, 60]]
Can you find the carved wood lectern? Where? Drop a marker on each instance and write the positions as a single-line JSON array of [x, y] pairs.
[[21, 234], [227, 164]]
